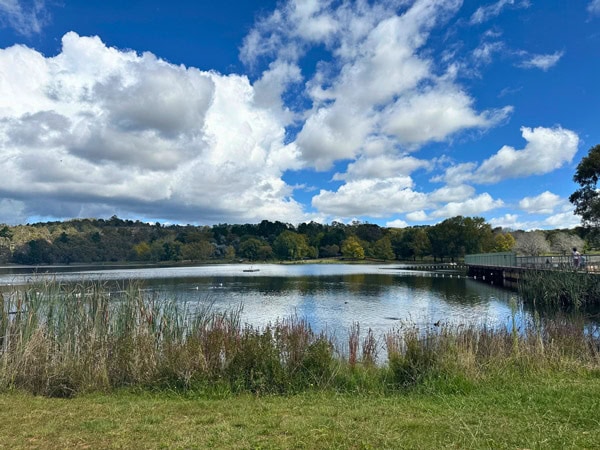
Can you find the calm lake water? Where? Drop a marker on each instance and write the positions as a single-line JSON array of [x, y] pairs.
[[330, 297]]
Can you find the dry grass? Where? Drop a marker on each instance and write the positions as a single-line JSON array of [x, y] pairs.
[[60, 340]]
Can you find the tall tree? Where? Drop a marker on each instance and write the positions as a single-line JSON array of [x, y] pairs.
[[587, 199]]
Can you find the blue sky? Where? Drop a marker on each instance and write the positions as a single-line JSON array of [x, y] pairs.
[[396, 112]]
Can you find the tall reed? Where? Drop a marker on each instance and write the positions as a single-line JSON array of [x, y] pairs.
[[60, 339], [560, 289]]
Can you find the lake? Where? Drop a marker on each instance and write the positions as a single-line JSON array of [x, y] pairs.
[[331, 297]]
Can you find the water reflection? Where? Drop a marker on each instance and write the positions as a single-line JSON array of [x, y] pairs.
[[329, 297]]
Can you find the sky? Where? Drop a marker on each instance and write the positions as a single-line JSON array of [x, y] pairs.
[[393, 112]]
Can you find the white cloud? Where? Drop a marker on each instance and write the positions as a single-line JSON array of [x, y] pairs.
[[105, 129], [508, 221], [545, 203], [434, 114], [543, 62], [485, 13], [563, 220], [26, 18], [471, 207], [333, 133], [268, 90], [483, 54], [456, 174], [382, 166], [374, 84], [417, 216], [452, 193], [398, 223], [547, 149], [377, 198], [594, 7]]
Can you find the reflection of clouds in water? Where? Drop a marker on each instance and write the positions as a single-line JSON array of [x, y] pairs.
[[330, 297]]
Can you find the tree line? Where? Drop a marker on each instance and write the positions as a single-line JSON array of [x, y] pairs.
[[118, 240]]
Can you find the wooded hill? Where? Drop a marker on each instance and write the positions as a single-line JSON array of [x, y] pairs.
[[118, 240]]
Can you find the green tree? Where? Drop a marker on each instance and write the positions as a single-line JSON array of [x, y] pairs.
[[457, 236], [420, 243], [142, 251], [352, 249], [255, 249], [382, 249], [329, 251], [291, 245], [197, 251], [504, 242], [587, 199], [5, 232]]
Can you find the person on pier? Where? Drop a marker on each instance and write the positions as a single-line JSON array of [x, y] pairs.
[[576, 258]]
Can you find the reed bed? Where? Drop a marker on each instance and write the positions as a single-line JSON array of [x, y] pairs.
[[560, 289], [63, 339]]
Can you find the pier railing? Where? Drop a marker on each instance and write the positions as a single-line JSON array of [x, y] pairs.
[[590, 263]]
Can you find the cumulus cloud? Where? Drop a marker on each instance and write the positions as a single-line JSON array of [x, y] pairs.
[[398, 223], [97, 130], [547, 149], [382, 166], [563, 220], [377, 198], [376, 83], [434, 114], [471, 207], [112, 129], [452, 193], [376, 94], [417, 216], [510, 221], [25, 17], [543, 62], [545, 203]]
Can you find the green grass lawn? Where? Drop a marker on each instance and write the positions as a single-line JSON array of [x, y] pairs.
[[559, 410]]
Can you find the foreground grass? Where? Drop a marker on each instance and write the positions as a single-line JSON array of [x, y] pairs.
[[556, 410]]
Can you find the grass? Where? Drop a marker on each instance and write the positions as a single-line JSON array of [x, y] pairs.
[[556, 410], [91, 365], [64, 340]]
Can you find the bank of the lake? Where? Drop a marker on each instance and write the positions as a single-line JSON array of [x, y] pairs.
[[554, 409]]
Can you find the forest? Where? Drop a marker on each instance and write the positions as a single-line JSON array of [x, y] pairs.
[[118, 240]]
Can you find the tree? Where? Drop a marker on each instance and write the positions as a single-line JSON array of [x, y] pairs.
[[531, 243], [5, 232], [457, 236], [351, 248], [420, 244], [142, 251], [563, 243], [197, 251], [504, 242], [255, 249], [382, 249], [291, 245], [587, 198]]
